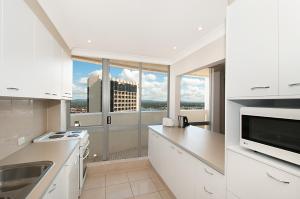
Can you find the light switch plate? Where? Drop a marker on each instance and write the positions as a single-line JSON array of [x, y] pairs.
[[21, 141]]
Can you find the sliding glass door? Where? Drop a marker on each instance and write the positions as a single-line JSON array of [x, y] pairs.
[[123, 116], [116, 101]]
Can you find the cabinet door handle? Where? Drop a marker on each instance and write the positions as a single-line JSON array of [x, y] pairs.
[[260, 87], [294, 84], [54, 94], [276, 179], [208, 172], [207, 191], [54, 187], [13, 88], [180, 152], [47, 93]]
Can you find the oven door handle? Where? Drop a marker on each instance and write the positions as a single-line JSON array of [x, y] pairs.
[[87, 144], [87, 154]]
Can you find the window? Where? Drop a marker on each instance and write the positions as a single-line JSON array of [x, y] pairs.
[[202, 97], [195, 97], [154, 91], [194, 92], [87, 85]]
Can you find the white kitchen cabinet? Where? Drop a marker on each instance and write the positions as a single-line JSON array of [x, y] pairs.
[[58, 188], [17, 65], [184, 174], [49, 63], [72, 175], [182, 171], [153, 150], [289, 47], [248, 178], [211, 184], [252, 48], [231, 196], [67, 76], [31, 61]]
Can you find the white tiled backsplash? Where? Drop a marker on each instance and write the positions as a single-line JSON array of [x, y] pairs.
[[20, 118]]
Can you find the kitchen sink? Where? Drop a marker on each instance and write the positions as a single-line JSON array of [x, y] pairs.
[[16, 181]]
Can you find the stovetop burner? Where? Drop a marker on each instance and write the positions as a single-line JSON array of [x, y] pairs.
[[60, 133], [73, 135], [55, 136], [75, 132]]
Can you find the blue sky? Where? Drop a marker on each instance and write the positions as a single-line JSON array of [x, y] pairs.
[[154, 84]]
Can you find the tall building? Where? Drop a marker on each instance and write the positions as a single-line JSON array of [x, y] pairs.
[[94, 94], [123, 96]]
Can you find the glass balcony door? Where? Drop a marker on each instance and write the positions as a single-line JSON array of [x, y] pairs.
[[123, 116]]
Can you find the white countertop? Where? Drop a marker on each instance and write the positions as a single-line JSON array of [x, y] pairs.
[[57, 152], [207, 146]]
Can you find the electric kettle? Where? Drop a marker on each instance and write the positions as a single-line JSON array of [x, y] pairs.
[[183, 121]]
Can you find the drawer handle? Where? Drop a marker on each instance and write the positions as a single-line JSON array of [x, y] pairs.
[[260, 87], [211, 193], [47, 93], [294, 84], [13, 88], [276, 179], [208, 172]]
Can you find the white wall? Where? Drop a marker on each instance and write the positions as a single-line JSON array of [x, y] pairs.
[[210, 54]]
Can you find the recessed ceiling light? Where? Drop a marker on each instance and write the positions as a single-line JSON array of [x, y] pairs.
[[174, 48], [200, 28], [89, 41]]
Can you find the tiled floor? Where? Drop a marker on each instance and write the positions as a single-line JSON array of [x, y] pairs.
[[137, 183]]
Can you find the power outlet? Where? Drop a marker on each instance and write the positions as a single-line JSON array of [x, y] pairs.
[[21, 141]]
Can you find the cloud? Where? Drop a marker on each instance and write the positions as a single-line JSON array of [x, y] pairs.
[[83, 80], [192, 89], [152, 87], [79, 91]]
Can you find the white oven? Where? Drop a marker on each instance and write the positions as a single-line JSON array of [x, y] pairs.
[[272, 131]]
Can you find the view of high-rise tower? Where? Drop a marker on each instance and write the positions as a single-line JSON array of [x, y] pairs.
[[123, 95], [94, 94]]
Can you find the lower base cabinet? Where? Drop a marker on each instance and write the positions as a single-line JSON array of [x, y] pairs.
[[186, 176], [59, 187], [248, 178], [66, 183]]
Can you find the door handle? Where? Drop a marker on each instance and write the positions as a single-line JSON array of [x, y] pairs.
[[108, 120]]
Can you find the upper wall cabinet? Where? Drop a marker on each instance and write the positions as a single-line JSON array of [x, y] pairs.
[[17, 63], [252, 48], [31, 61], [289, 47], [67, 73], [48, 61]]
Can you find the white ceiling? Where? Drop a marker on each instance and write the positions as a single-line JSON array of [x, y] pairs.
[[140, 30]]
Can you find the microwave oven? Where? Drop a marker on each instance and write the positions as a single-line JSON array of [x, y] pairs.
[[271, 131]]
